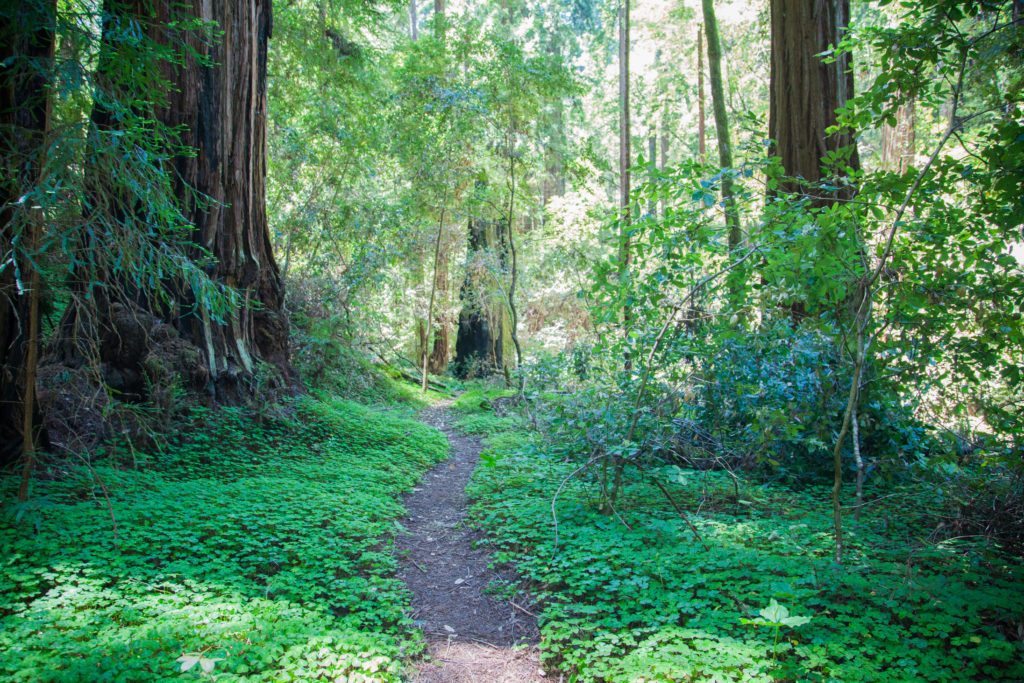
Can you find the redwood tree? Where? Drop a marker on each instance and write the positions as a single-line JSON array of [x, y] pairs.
[[479, 343], [220, 101], [899, 140], [806, 90], [26, 47]]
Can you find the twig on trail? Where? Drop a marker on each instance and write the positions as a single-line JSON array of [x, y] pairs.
[[417, 565], [522, 609]]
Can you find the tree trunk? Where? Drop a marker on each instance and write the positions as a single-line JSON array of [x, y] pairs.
[[625, 158], [439, 19], [435, 359], [479, 343], [732, 215], [663, 144], [899, 141], [553, 183], [652, 164], [414, 21], [805, 91], [222, 106], [438, 361], [26, 52], [625, 153], [702, 149]]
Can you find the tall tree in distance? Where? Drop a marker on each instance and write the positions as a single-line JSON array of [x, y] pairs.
[[438, 361], [439, 18], [899, 139], [479, 342], [625, 156], [702, 142], [438, 281], [732, 214]]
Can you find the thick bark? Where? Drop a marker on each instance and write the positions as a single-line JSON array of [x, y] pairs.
[[26, 47], [222, 107], [438, 361], [479, 344], [86, 334], [805, 91]]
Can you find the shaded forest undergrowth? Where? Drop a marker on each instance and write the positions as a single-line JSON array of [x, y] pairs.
[[638, 596], [256, 549], [260, 547]]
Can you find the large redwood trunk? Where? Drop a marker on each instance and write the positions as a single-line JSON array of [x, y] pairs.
[[479, 343], [223, 107], [805, 91], [26, 46]]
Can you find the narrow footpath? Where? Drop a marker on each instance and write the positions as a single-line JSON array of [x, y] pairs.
[[473, 636]]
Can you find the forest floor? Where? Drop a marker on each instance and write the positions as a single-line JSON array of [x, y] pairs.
[[473, 635]]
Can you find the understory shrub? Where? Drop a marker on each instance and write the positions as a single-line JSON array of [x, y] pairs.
[[329, 356], [777, 395], [637, 596]]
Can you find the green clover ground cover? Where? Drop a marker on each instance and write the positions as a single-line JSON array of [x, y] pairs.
[[260, 551], [764, 602]]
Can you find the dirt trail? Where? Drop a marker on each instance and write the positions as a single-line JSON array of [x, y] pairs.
[[473, 636]]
